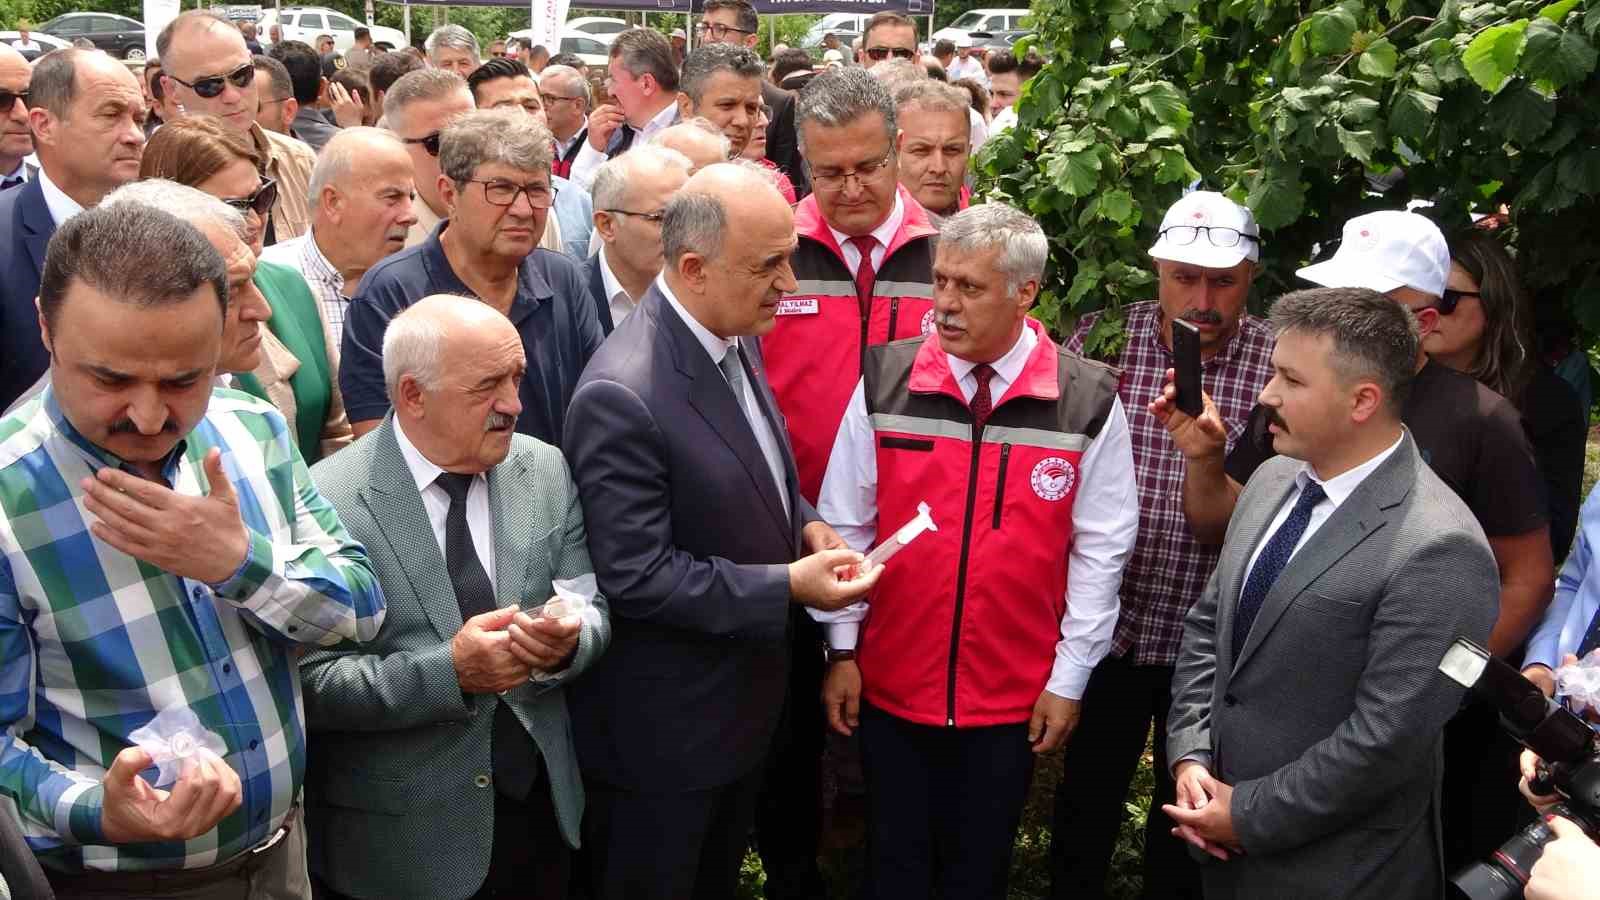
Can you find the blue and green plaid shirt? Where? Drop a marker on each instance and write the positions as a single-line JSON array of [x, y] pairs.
[[94, 643]]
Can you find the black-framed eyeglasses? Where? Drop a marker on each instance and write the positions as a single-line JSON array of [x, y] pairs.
[[429, 142], [653, 218], [8, 99], [1217, 235], [552, 99], [864, 174], [504, 193], [879, 54], [259, 202], [719, 31], [213, 85], [1451, 299]]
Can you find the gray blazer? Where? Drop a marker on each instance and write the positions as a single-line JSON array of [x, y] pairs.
[[1328, 723], [399, 794]]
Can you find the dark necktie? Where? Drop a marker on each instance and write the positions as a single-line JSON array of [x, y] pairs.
[[1271, 562], [982, 404], [866, 275], [1591, 637], [512, 753], [10, 183]]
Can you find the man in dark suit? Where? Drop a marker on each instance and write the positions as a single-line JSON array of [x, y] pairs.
[[1307, 709], [736, 22], [442, 764], [16, 138], [87, 114], [630, 193], [697, 533]]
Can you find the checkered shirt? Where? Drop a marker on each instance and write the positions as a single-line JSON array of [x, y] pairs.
[[1169, 568], [302, 255], [94, 643]]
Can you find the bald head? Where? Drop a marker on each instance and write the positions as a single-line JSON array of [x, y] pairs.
[[703, 143], [201, 46], [361, 191], [16, 140]]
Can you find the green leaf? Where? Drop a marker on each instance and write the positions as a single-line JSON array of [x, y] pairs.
[[1276, 198], [1413, 114], [1105, 336], [1117, 206], [1579, 171], [1174, 167], [1124, 120], [1087, 279], [1520, 114], [1162, 101], [1332, 30], [1358, 109], [1423, 76], [1378, 60], [1297, 44], [1359, 144], [1075, 174], [1556, 54], [1555, 12], [1492, 56]]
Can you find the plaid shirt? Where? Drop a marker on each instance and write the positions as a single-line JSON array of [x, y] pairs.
[[1169, 569], [304, 256], [94, 643]]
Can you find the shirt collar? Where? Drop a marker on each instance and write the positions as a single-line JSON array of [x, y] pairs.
[[714, 346], [21, 171], [1008, 367], [659, 121], [60, 205], [423, 471], [316, 262], [532, 288], [613, 287], [1341, 486], [885, 231]]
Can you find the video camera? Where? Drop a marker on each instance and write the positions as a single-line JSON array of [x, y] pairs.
[[1570, 767]]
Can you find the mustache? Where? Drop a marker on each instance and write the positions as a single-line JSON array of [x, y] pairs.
[[950, 321], [1202, 316], [1274, 419], [126, 426], [497, 421]]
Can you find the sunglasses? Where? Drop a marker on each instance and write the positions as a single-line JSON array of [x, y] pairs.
[[213, 85], [879, 54], [429, 142], [8, 99], [1451, 299], [259, 202]]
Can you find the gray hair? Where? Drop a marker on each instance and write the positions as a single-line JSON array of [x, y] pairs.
[[338, 157], [933, 96], [694, 222], [700, 126], [494, 135], [644, 51], [564, 74], [419, 85], [898, 73], [1023, 246], [54, 82], [411, 346], [615, 176], [1374, 338], [838, 96], [709, 59], [189, 204], [454, 37]]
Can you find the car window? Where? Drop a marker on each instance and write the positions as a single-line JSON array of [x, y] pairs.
[[102, 24], [74, 25], [342, 23], [607, 28], [582, 45], [967, 20], [310, 20]]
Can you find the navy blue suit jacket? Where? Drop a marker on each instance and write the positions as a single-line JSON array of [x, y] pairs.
[[25, 230], [691, 543], [597, 289]]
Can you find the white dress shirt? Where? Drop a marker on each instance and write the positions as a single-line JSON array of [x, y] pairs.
[[616, 295], [1338, 489], [884, 233], [61, 206], [1105, 521], [717, 348], [437, 502], [967, 68], [589, 159]]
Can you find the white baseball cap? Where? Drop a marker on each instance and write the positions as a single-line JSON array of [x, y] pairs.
[[1385, 250], [832, 56], [1208, 210]]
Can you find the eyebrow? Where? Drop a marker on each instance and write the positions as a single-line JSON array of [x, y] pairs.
[[110, 374]]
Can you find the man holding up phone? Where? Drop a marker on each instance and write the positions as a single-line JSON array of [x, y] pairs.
[[1205, 257]]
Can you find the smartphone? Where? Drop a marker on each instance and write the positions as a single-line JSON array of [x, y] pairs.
[[1186, 361]]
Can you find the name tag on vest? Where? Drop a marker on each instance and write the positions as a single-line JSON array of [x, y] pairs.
[[800, 306]]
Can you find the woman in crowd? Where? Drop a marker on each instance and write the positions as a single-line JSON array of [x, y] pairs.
[[299, 364], [1486, 330]]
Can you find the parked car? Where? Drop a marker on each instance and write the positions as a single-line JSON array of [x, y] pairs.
[[46, 43], [119, 36], [594, 50], [601, 28], [304, 23], [990, 21], [847, 26], [998, 40]]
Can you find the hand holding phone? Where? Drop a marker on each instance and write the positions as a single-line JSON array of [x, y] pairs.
[[1186, 362]]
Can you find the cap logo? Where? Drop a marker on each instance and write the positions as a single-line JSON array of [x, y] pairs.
[[1367, 238], [1200, 217]]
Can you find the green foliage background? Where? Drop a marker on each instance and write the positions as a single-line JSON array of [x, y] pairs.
[[1288, 106]]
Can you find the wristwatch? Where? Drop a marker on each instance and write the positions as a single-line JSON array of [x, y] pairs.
[[834, 655]]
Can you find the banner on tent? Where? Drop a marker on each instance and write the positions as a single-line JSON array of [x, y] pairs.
[[548, 16], [681, 7]]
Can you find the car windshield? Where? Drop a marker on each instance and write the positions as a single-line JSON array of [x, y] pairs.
[[967, 20], [606, 27]]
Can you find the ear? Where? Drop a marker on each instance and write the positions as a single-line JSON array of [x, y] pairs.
[[331, 200], [44, 329], [692, 269], [751, 40], [1367, 401], [1026, 294], [1427, 320], [899, 141], [606, 224], [410, 398], [685, 106], [42, 124], [447, 192], [291, 108]]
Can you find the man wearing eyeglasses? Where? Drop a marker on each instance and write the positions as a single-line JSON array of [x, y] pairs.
[[889, 35], [206, 69], [1205, 258], [1473, 439], [630, 193], [564, 93], [87, 113], [495, 184], [736, 22]]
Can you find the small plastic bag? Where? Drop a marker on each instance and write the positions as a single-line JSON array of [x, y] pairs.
[[572, 597], [174, 738], [1579, 684], [923, 521]]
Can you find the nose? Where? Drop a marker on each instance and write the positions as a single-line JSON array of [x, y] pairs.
[[509, 403], [408, 213], [786, 281], [255, 308], [147, 412]]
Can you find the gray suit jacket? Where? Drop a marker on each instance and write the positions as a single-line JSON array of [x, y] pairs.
[[1327, 721], [399, 793]]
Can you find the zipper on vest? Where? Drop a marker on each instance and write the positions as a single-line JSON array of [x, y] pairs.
[[864, 304], [894, 315], [961, 571], [1000, 484]]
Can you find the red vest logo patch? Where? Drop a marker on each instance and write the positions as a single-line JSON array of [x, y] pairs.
[[1053, 478], [927, 323]]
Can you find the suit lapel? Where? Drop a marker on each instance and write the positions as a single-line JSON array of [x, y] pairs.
[[510, 488], [597, 285], [1357, 518], [397, 511], [37, 225]]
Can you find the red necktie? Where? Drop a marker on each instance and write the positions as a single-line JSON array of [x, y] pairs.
[[982, 404], [559, 167], [865, 274]]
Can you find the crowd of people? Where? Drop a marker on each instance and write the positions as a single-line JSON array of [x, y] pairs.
[[435, 474]]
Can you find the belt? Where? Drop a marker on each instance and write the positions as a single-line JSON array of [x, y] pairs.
[[161, 882]]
